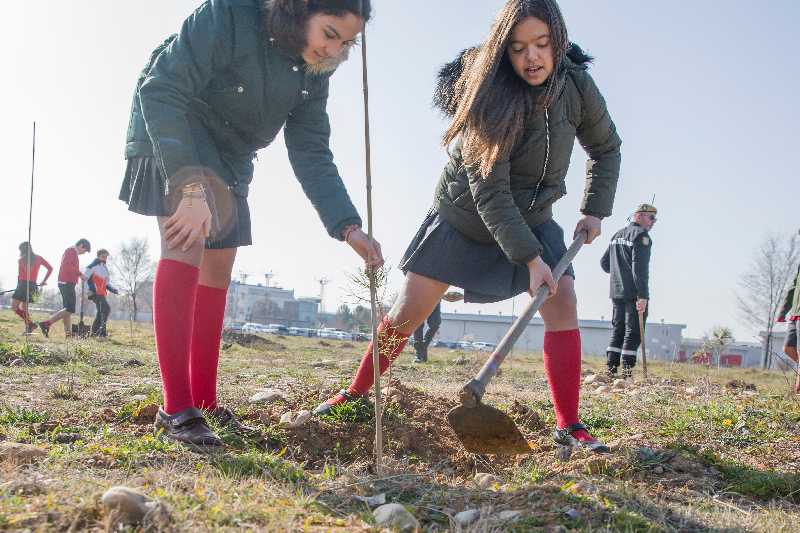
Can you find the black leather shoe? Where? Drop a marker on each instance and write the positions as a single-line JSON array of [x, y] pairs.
[[189, 428], [563, 437]]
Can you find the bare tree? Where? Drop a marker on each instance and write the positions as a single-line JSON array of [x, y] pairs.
[[133, 269], [763, 285]]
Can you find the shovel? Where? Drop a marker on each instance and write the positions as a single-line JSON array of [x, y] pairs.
[[486, 429], [80, 329]]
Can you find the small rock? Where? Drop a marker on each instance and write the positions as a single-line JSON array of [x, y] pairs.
[[620, 384], [485, 481], [19, 453], [602, 389], [291, 421], [691, 390], [659, 469], [138, 397], [572, 514], [66, 438], [507, 516], [396, 516], [563, 453], [588, 380], [325, 363], [465, 518], [22, 488], [134, 507], [461, 360], [266, 396], [132, 362], [373, 501]]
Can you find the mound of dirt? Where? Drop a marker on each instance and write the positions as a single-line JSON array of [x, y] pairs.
[[739, 384], [249, 340], [415, 430]]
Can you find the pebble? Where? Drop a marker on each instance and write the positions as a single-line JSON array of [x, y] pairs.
[[21, 453], [131, 505], [266, 396], [507, 516], [396, 516], [620, 384], [588, 380], [291, 421], [465, 518], [485, 481], [659, 469], [602, 389], [572, 514], [138, 397], [66, 438]]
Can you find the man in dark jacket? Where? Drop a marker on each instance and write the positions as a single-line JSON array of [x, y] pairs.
[[627, 259]]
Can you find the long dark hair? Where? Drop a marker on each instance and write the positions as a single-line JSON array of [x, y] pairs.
[[26, 253], [491, 100], [285, 20]]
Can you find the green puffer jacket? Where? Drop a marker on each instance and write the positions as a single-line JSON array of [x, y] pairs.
[[504, 206], [220, 90], [791, 304]]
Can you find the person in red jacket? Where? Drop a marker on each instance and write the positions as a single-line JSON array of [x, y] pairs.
[[27, 288], [68, 275]]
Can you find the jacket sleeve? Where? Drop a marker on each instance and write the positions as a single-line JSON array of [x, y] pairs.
[[605, 261], [789, 300], [180, 72], [598, 136], [307, 134], [500, 214], [641, 266]]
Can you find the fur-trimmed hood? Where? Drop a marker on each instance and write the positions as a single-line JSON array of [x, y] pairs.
[[444, 93]]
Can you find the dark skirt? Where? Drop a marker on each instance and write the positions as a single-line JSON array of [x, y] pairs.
[[441, 252], [26, 291], [144, 190]]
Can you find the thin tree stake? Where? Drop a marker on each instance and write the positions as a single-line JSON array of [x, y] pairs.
[[373, 292], [30, 224]]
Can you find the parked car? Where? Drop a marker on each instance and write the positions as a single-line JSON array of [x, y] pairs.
[[277, 329], [254, 327], [445, 344], [302, 332], [484, 346], [235, 327]]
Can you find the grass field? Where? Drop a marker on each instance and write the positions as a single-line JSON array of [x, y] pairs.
[[693, 449]]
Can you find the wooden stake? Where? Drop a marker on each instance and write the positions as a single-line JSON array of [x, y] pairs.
[[373, 290]]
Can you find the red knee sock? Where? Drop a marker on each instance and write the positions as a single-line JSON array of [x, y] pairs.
[[23, 315], [391, 343], [174, 293], [562, 363], [209, 312]]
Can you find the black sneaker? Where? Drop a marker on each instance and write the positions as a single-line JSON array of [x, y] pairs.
[[45, 327], [563, 437], [627, 372], [225, 418], [29, 327], [189, 428]]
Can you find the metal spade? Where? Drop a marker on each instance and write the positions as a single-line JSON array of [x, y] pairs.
[[486, 429]]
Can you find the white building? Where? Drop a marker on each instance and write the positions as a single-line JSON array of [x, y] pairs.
[[269, 305], [663, 340]]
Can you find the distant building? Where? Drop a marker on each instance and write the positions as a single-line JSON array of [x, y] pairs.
[[736, 354], [269, 305], [663, 339]]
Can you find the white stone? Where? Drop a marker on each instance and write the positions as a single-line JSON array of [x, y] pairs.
[[131, 505], [588, 380], [485, 481], [507, 516], [291, 420], [620, 384], [602, 389], [465, 518], [266, 396], [138, 397], [396, 516]]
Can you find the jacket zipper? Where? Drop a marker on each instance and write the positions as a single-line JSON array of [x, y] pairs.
[[546, 158]]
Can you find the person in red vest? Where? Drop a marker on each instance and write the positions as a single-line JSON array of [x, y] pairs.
[[27, 287], [68, 275]]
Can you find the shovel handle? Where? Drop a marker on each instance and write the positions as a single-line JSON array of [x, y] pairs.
[[473, 391]]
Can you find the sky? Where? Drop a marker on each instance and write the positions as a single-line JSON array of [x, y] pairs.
[[702, 94]]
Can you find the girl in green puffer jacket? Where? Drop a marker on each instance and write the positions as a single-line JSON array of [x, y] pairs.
[[517, 103]]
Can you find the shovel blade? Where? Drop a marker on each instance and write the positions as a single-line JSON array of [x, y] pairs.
[[485, 429]]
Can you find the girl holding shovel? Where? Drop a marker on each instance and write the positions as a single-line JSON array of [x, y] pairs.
[[517, 103], [238, 72]]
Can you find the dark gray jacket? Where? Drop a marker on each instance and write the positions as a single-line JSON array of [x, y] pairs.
[[627, 259], [220, 90]]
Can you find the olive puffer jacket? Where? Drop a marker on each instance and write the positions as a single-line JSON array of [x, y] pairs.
[[504, 206]]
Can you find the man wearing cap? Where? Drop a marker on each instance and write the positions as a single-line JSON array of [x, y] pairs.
[[627, 259]]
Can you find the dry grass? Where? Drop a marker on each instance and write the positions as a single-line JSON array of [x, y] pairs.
[[691, 453]]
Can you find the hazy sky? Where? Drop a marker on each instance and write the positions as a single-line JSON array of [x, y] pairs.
[[703, 94]]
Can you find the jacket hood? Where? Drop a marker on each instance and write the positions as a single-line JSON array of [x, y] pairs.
[[444, 93]]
